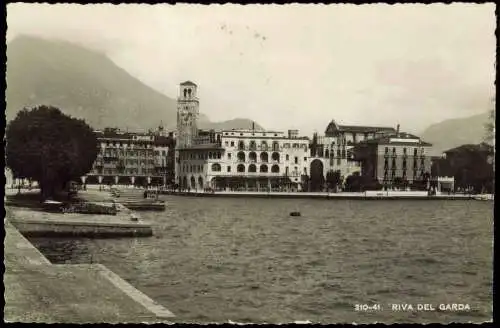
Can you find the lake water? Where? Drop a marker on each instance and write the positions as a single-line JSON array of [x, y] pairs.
[[247, 260]]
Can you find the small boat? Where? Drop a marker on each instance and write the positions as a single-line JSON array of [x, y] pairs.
[[296, 213], [145, 205], [53, 206]]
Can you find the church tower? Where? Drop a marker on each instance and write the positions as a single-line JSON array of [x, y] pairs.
[[187, 114]]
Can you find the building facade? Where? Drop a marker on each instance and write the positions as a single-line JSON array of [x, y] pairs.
[[235, 159], [333, 150], [126, 158], [398, 156]]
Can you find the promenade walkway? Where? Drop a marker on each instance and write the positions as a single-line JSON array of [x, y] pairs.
[[372, 195], [38, 291]]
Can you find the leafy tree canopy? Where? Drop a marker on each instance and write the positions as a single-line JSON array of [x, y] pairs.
[[47, 146]]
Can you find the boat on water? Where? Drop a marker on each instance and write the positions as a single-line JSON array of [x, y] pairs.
[[53, 206], [145, 205]]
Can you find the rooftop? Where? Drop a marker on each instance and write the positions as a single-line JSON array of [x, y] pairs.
[[470, 147], [333, 128], [401, 138], [188, 83]]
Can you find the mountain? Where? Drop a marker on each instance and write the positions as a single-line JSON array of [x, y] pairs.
[[456, 132], [237, 123], [86, 84]]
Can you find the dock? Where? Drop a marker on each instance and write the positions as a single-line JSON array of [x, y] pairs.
[[41, 292]]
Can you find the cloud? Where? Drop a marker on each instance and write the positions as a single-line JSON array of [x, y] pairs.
[[294, 65]]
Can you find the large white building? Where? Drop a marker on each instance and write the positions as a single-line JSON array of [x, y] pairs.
[[235, 159]]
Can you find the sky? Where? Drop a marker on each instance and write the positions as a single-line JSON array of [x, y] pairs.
[[294, 66]]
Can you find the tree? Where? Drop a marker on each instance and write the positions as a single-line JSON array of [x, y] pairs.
[[49, 147], [333, 179], [490, 127], [354, 182]]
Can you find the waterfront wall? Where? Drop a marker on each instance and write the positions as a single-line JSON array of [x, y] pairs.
[[44, 229], [369, 195], [39, 223]]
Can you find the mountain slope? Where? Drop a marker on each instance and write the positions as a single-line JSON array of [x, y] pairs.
[[456, 132], [86, 84], [237, 123]]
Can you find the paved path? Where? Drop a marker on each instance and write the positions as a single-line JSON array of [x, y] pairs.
[[37, 291]]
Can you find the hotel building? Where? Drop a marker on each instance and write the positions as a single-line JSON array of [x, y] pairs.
[[398, 155], [235, 159], [333, 150], [128, 158]]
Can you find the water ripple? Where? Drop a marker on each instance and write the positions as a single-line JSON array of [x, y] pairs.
[[246, 260]]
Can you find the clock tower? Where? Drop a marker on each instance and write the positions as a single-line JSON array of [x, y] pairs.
[[187, 114]]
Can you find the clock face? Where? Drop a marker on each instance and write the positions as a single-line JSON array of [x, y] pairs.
[[186, 118]]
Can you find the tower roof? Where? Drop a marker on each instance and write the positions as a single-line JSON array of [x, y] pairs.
[[188, 83]]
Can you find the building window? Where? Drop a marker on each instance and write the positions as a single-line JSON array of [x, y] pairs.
[[241, 156], [227, 143], [216, 167], [252, 168], [404, 151], [219, 155], [241, 145], [415, 152], [232, 143], [263, 168], [229, 168], [264, 157], [275, 157], [275, 169], [296, 160], [240, 168], [287, 157]]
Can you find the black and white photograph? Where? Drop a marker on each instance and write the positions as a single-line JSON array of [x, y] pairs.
[[249, 164]]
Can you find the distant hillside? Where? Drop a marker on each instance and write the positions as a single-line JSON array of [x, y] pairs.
[[456, 132], [85, 84], [237, 123]]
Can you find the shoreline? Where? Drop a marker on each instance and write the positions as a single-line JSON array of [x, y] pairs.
[[371, 195], [92, 292], [33, 222]]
